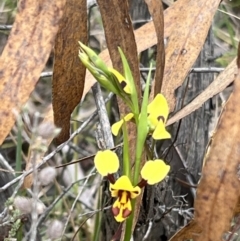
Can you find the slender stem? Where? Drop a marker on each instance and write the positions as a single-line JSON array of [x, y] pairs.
[[126, 158], [142, 131], [129, 223], [139, 149]]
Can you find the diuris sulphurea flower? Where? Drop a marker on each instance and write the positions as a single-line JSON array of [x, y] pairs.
[[157, 112], [107, 163]]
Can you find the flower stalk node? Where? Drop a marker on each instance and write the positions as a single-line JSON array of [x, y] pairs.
[[111, 178]]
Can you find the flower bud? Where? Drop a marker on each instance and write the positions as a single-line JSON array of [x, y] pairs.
[[94, 58], [23, 204], [47, 130], [47, 175], [55, 229]]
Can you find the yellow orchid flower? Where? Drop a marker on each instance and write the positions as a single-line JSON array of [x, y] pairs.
[[107, 163], [124, 191], [157, 117]]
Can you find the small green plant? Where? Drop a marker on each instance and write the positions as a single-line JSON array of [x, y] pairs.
[[14, 220], [150, 119]]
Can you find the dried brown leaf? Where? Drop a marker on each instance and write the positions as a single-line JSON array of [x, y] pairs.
[[156, 10], [25, 55], [119, 33], [191, 230], [218, 191], [192, 21], [237, 208], [69, 72], [146, 35], [218, 85]]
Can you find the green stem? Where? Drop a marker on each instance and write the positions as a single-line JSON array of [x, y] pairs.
[[129, 223], [126, 159], [142, 131], [139, 150]]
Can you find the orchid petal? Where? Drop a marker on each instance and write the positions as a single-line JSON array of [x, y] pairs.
[[121, 210], [160, 132], [106, 162], [124, 191], [117, 126], [121, 80], [124, 183], [159, 107], [154, 171]]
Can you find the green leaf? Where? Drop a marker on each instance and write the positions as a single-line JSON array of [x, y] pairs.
[[142, 129], [131, 82]]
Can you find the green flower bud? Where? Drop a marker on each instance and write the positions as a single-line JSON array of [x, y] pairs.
[[94, 58]]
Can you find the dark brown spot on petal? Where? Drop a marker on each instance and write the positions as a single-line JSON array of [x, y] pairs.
[[161, 118], [120, 193], [115, 211], [123, 84], [126, 213]]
